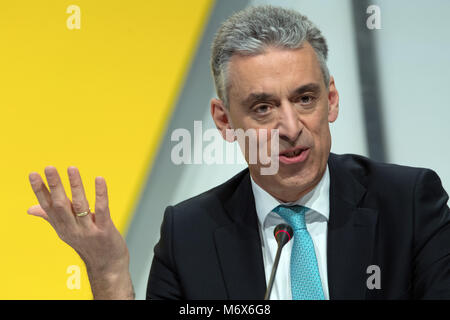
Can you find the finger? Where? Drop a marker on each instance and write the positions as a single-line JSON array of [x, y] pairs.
[[79, 201], [101, 202], [40, 190], [61, 206], [54, 182], [37, 211]]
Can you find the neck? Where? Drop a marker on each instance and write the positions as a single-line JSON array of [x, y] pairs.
[[283, 196], [285, 193]]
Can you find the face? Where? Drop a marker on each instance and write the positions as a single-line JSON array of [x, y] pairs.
[[282, 89]]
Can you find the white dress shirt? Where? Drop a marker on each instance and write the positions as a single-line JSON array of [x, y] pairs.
[[318, 201]]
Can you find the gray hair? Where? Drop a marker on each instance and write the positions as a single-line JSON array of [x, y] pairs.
[[250, 31]]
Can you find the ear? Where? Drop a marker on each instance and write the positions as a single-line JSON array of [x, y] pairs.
[[221, 117], [333, 101]]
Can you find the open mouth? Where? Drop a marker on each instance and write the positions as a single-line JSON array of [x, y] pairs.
[[293, 154], [296, 155]]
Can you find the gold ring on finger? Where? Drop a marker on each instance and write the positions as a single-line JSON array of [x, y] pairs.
[[82, 214]]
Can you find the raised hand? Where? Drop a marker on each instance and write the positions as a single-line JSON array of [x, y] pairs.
[[91, 234]]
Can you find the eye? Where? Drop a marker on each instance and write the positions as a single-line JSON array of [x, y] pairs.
[[306, 99], [261, 109]]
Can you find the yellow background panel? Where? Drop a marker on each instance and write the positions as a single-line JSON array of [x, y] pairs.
[[97, 98]]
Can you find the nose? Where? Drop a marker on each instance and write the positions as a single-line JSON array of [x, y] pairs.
[[290, 126]]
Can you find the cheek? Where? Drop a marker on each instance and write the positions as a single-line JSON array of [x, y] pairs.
[[320, 131], [236, 116]]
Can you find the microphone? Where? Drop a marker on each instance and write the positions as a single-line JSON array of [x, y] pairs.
[[283, 233]]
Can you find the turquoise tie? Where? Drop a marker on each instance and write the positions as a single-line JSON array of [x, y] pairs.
[[305, 277]]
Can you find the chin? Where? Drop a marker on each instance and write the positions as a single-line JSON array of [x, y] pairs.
[[291, 181], [302, 179], [299, 179]]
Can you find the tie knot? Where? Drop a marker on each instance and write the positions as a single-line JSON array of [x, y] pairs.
[[294, 215]]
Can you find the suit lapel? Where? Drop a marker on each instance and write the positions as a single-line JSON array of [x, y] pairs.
[[239, 246], [351, 233]]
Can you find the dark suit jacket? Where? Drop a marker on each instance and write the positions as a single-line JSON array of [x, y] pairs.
[[394, 217]]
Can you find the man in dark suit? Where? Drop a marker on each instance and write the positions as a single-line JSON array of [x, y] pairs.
[[393, 217], [362, 229], [379, 220]]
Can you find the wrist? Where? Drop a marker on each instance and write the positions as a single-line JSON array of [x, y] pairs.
[[107, 269], [111, 284]]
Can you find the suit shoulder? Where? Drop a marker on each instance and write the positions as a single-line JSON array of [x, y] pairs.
[[212, 198], [369, 171]]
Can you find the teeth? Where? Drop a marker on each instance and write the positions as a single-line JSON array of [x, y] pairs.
[[293, 153]]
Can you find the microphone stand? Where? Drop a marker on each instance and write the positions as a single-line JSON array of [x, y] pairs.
[[274, 271], [282, 234]]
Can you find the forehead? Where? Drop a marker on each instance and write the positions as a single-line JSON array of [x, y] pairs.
[[274, 71]]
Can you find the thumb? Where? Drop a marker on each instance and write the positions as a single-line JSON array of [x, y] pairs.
[[37, 211]]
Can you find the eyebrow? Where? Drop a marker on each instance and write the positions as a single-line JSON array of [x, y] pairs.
[[310, 87], [263, 96]]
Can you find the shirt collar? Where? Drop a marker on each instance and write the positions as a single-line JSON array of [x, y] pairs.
[[317, 199]]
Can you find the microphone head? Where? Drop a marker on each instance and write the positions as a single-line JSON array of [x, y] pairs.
[[283, 233]]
